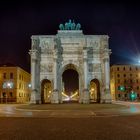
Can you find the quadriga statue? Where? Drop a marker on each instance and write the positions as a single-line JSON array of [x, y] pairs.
[[61, 27], [78, 26]]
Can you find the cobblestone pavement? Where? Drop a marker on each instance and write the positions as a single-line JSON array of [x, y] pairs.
[[70, 122], [104, 128]]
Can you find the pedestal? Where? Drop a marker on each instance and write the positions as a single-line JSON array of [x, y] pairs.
[[86, 98], [106, 97], [55, 97], [35, 97]]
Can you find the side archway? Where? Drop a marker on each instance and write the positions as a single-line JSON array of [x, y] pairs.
[[46, 91], [95, 90]]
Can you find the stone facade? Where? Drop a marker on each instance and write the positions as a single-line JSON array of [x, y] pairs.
[[51, 55], [15, 85], [127, 76]]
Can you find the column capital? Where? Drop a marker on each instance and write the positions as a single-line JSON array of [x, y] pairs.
[[106, 59], [34, 52], [34, 60]]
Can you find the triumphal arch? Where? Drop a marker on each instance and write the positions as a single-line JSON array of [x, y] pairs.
[[52, 55]]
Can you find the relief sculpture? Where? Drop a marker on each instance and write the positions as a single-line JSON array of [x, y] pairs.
[[46, 67]]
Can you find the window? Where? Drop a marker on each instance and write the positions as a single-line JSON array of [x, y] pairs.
[[137, 95], [124, 75], [11, 75], [136, 68], [130, 68], [4, 75], [137, 80], [118, 75], [7, 85], [118, 80], [11, 94], [125, 81], [19, 94], [4, 94], [131, 81], [19, 77], [125, 95], [117, 68], [137, 87], [119, 95], [130, 74], [124, 68], [19, 85]]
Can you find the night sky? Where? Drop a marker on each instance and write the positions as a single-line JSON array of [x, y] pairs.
[[20, 20]]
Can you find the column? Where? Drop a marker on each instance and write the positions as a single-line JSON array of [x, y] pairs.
[[86, 98], [107, 73], [55, 95], [35, 96], [107, 80], [55, 74], [85, 74]]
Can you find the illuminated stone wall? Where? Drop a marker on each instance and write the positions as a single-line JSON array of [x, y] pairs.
[[51, 55]]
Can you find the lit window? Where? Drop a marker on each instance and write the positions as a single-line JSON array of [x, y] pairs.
[[8, 84], [19, 85]]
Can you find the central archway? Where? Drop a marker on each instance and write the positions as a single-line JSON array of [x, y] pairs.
[[70, 84]]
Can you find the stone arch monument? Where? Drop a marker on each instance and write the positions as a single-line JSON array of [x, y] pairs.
[[51, 54]]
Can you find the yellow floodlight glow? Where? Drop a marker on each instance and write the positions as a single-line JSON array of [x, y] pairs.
[[73, 95], [65, 94]]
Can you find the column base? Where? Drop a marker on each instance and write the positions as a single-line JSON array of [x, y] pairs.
[[106, 97], [55, 97], [35, 97], [86, 97]]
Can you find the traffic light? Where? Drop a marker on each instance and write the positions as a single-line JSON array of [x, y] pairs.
[[121, 88], [133, 95]]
